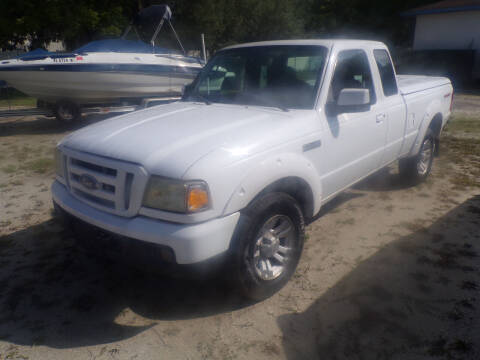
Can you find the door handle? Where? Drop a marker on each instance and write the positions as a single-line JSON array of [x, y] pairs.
[[381, 118]]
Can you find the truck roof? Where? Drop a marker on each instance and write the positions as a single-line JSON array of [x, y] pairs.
[[321, 42]]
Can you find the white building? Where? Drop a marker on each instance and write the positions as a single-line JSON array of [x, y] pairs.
[[449, 25]]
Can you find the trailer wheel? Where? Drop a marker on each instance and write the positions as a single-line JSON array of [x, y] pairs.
[[67, 111]]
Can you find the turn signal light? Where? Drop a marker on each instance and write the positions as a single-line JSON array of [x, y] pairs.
[[197, 199]]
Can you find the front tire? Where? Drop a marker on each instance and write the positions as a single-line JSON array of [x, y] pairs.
[[267, 245], [417, 168]]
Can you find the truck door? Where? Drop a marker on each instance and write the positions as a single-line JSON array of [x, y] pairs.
[[354, 137], [391, 107]]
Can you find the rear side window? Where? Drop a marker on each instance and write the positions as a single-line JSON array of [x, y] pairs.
[[352, 71], [385, 68]]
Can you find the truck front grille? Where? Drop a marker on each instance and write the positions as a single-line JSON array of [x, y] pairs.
[[104, 183]]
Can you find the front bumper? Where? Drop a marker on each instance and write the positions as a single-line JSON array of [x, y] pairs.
[[190, 243]]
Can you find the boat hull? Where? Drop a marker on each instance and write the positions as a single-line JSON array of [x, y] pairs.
[[95, 87]]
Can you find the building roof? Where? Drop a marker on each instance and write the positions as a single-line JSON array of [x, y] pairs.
[[445, 6]]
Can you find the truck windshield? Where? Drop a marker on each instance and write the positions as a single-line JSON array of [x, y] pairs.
[[283, 76]]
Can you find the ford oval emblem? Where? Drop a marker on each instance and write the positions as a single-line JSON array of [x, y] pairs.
[[88, 182]]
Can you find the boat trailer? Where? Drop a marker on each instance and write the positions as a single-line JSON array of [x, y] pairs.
[[87, 110]]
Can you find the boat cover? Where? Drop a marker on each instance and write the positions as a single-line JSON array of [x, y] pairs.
[[37, 54], [121, 46]]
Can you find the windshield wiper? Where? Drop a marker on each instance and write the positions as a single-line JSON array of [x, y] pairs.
[[265, 102], [272, 104]]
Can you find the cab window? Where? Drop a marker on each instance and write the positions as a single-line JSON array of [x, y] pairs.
[[352, 71], [387, 74]]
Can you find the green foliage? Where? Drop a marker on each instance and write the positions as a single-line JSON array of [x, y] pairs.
[[75, 22], [224, 22], [376, 19]]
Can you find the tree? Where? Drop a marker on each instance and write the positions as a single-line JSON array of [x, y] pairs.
[[226, 22], [376, 19], [71, 21], [223, 22]]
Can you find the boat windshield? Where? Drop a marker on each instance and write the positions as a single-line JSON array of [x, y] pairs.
[[284, 76]]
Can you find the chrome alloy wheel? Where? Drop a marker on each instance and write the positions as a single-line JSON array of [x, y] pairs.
[[272, 247], [426, 153]]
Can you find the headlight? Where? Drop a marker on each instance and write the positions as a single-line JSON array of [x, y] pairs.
[[177, 196], [59, 163]]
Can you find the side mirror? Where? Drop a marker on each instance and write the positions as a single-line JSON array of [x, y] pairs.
[[353, 97], [349, 100]]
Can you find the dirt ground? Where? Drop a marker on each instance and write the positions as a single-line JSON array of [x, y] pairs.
[[388, 272]]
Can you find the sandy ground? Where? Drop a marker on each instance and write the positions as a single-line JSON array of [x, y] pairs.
[[388, 272]]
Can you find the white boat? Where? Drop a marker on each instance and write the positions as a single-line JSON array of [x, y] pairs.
[[104, 71]]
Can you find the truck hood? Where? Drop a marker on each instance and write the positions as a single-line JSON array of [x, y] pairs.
[[168, 139]]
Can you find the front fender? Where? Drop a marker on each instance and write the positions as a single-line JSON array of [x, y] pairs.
[[270, 170]]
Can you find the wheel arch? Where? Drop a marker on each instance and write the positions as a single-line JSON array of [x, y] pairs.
[[432, 119], [289, 173], [436, 126], [297, 188]]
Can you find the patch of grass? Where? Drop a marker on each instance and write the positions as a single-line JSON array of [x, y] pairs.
[[9, 169], [21, 154], [349, 221], [461, 346], [26, 217], [5, 223], [18, 101], [39, 166], [462, 181], [469, 285], [458, 148], [384, 196], [271, 349], [39, 340], [172, 331], [6, 244], [463, 124], [389, 208], [16, 182], [414, 226]]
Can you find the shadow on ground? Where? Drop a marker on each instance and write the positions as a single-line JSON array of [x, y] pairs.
[[56, 295], [383, 180], [416, 298]]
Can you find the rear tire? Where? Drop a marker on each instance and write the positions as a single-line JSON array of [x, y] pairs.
[[267, 245], [416, 169]]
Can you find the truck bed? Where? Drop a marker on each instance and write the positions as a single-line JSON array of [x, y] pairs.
[[409, 84]]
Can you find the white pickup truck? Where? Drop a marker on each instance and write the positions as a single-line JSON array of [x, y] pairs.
[[266, 134]]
